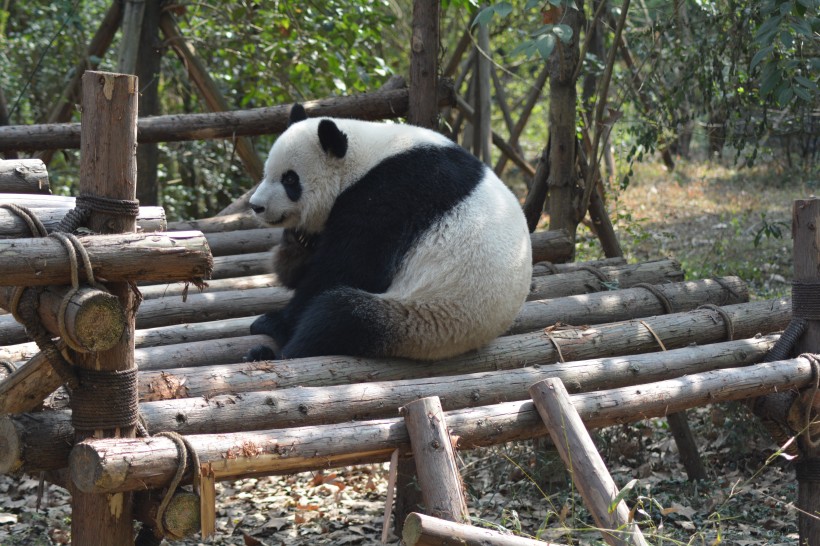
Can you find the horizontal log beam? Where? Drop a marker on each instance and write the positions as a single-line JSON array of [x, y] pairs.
[[548, 268], [218, 224], [378, 105], [165, 257], [24, 176], [109, 465], [551, 246], [243, 241], [149, 220], [678, 330], [605, 278], [155, 291], [423, 530]]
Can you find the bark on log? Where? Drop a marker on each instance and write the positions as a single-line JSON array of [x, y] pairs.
[[551, 246], [30, 384], [182, 256], [37, 201], [242, 265], [627, 303], [584, 463], [150, 219], [378, 105], [289, 407], [131, 464], [213, 351], [93, 319], [546, 268], [422, 530], [539, 348], [218, 224], [23, 176], [155, 291], [441, 488], [624, 276], [243, 241], [377, 398]]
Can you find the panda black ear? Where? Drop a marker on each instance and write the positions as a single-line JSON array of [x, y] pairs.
[[332, 139], [297, 114]]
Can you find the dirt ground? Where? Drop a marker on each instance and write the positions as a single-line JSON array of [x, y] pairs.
[[708, 219]]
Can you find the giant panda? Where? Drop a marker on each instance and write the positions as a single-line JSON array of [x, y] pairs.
[[397, 243]]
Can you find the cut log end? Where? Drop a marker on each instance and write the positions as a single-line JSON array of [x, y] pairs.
[[86, 466], [100, 323]]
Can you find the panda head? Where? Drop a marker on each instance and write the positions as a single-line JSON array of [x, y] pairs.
[[304, 174]]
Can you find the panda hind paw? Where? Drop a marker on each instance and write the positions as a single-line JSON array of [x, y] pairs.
[[260, 352]]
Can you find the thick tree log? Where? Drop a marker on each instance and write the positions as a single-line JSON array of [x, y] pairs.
[[218, 224], [243, 241], [289, 407], [422, 530], [378, 398], [43, 261], [584, 463], [628, 303], [93, 319], [37, 201], [546, 268], [378, 105], [26, 388], [539, 348], [177, 311], [439, 479], [551, 246], [213, 351], [624, 276], [242, 265], [154, 291], [131, 464], [23, 176], [150, 219]]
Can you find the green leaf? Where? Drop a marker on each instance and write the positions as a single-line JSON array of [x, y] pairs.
[[545, 45], [785, 94], [532, 4], [527, 47], [767, 29], [759, 56], [805, 82], [564, 33], [802, 92], [542, 30], [502, 9], [802, 26], [622, 494], [810, 4], [769, 79]]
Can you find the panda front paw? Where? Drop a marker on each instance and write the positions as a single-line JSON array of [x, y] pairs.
[[260, 352], [273, 325]]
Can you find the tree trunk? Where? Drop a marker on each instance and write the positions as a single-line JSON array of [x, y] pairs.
[[148, 66]]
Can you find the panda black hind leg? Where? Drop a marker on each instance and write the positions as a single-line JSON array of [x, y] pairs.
[[273, 324], [342, 321]]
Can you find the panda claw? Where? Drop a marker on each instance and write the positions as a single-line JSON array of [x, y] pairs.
[[260, 352]]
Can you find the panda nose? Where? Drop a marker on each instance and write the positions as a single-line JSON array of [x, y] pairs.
[[257, 209]]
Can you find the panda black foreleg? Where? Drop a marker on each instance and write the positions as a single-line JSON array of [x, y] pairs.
[[292, 256], [342, 321], [273, 324]]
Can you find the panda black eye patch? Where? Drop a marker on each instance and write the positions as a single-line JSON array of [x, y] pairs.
[[293, 188]]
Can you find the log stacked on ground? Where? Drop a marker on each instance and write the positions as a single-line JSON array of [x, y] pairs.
[[150, 219]]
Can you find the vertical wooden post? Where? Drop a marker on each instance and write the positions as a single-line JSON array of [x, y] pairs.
[[805, 301], [423, 105], [148, 72], [482, 133], [422, 111], [439, 478], [108, 169], [588, 470]]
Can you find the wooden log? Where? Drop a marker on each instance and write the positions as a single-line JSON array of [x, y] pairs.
[[440, 481], [584, 463], [628, 303], [150, 219], [551, 246], [154, 291], [108, 168], [218, 224], [243, 241], [23, 176], [378, 105], [176, 311], [93, 319], [548, 347], [214, 351], [164, 257], [546, 268], [242, 265], [108, 465], [806, 251], [624, 276], [300, 406], [185, 333], [422, 530], [30, 384]]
